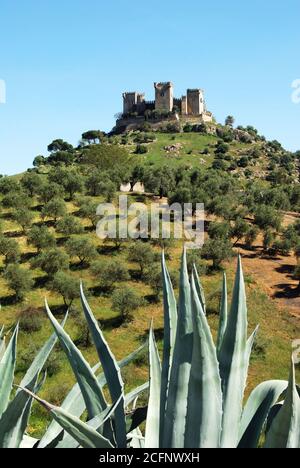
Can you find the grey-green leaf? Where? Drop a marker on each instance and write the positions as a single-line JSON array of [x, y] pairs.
[[153, 414], [234, 361], [7, 368], [285, 428], [14, 420], [204, 412], [174, 428], [90, 388], [256, 411], [111, 370], [223, 314], [170, 327]]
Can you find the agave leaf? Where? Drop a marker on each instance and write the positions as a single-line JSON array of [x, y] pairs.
[[28, 442], [111, 370], [204, 412], [136, 438], [7, 368], [85, 435], [170, 327], [152, 421], [41, 358], [96, 423], [14, 420], [90, 388], [223, 314], [257, 409], [234, 361], [174, 428], [2, 343], [199, 288], [285, 428], [74, 402], [134, 394]]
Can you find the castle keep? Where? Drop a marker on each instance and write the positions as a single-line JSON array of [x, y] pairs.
[[192, 104]]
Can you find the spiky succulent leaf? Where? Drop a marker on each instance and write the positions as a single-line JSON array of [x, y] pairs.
[[170, 327], [199, 288], [41, 358], [223, 314], [285, 428], [90, 388], [14, 420], [256, 411], [174, 429], [74, 402], [7, 369], [2, 343], [153, 415], [111, 370], [234, 362], [134, 394], [204, 411]]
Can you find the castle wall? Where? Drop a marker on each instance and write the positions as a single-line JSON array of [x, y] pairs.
[[164, 96], [184, 105], [129, 102], [195, 102]]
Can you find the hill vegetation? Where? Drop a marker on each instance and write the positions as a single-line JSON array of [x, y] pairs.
[[48, 242]]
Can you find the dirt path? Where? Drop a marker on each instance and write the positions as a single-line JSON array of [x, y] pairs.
[[275, 275]]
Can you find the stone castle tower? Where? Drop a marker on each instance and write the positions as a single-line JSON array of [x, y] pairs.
[[164, 96], [192, 104]]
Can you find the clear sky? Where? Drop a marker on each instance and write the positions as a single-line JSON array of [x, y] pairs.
[[65, 64]]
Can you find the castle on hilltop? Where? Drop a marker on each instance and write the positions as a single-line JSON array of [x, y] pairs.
[[190, 105]]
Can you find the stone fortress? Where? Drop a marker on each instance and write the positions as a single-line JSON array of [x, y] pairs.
[[192, 105]]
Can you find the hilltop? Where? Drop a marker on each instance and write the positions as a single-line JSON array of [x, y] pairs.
[[250, 188]]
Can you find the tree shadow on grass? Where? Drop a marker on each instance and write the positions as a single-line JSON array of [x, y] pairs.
[[9, 300], [79, 266], [13, 234], [112, 322], [41, 282], [287, 291], [26, 257], [286, 269]]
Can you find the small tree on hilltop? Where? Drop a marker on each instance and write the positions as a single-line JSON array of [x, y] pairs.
[[19, 280], [229, 121]]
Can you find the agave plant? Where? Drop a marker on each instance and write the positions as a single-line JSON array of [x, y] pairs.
[[195, 394], [66, 430], [200, 385]]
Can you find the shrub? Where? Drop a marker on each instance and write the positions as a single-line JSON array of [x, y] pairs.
[[19, 280], [31, 320], [125, 301]]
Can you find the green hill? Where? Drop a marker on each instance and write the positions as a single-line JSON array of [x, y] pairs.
[[247, 182]]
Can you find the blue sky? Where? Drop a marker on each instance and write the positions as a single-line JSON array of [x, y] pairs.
[[66, 63]]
